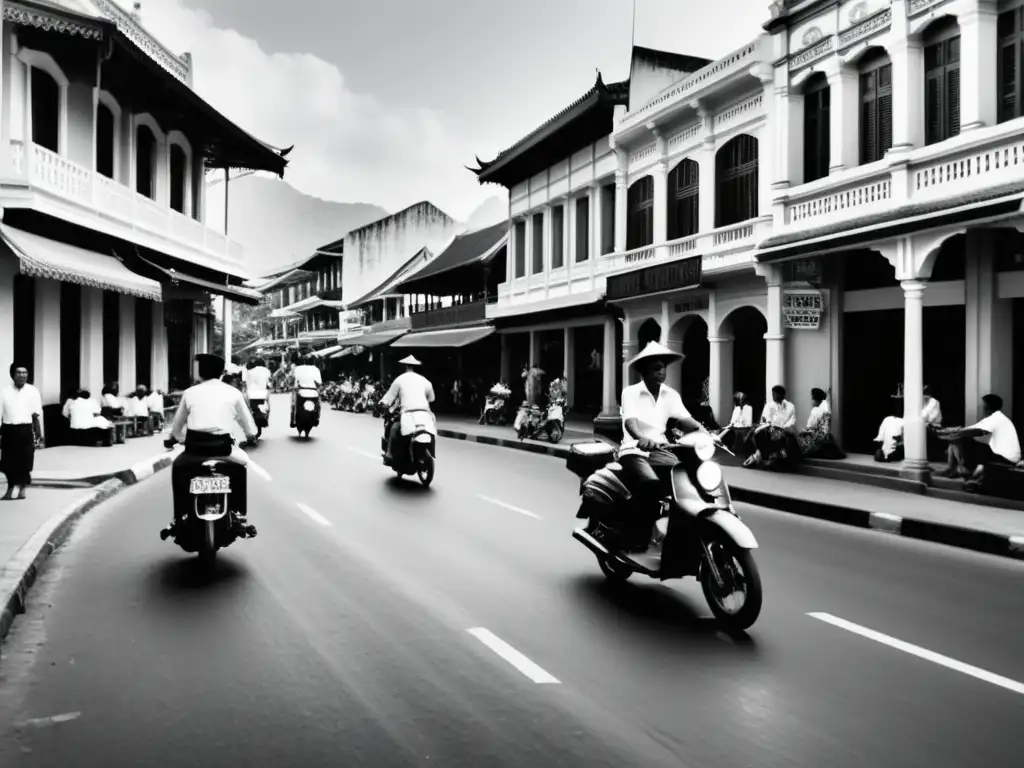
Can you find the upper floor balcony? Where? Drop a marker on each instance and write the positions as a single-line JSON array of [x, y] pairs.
[[456, 314]]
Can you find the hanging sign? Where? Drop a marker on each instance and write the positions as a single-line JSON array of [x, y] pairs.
[[675, 276]]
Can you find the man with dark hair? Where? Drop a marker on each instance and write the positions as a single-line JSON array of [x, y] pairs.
[[21, 408], [774, 439], [208, 414], [307, 376], [993, 440]]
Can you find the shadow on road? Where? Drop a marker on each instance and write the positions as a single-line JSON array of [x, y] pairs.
[[658, 611], [184, 574], [408, 485]]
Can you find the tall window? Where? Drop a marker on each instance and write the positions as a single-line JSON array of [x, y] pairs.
[[145, 162], [538, 243], [736, 181], [875, 108], [582, 228], [1011, 59], [179, 164], [45, 110], [520, 249], [640, 204], [817, 128], [105, 133], [557, 237], [684, 200], [942, 82], [607, 218]]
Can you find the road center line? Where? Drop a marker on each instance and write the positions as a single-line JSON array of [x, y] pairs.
[[512, 656], [313, 514], [510, 507], [259, 470], [361, 452], [42, 722], [921, 653]]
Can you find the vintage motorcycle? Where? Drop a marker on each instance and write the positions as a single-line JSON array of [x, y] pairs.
[[697, 534], [532, 422], [306, 402], [495, 405], [415, 449]]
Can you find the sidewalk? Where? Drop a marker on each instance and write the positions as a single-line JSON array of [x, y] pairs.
[[992, 530], [70, 466]]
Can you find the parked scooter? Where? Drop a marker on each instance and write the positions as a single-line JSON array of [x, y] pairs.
[[495, 405], [532, 422], [306, 412], [698, 533], [414, 450]]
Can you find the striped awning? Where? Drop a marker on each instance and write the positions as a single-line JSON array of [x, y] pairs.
[[449, 337]]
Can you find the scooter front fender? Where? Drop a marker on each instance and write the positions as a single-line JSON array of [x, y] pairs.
[[733, 527]]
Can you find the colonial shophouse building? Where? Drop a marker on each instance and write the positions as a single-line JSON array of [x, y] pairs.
[[899, 178], [107, 263]]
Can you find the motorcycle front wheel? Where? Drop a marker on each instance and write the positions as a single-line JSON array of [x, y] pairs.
[[740, 579], [208, 550]]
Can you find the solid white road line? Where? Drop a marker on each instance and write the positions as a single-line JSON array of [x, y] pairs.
[[367, 454], [42, 722], [259, 470], [510, 507], [512, 656], [921, 653], [314, 515]]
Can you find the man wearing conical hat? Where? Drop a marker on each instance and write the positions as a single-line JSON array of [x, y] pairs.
[[648, 409], [413, 391]]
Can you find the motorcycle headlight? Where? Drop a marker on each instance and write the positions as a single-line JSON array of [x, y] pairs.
[[709, 476], [704, 447]]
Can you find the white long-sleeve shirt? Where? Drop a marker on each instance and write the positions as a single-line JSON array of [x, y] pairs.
[[742, 416], [413, 391], [781, 415], [818, 414], [213, 407], [18, 406], [890, 429]]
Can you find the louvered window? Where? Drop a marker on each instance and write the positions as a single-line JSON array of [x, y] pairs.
[[875, 110], [684, 200], [942, 85], [557, 236], [640, 229], [582, 228], [520, 249], [736, 181], [1011, 61], [538, 243], [817, 128]]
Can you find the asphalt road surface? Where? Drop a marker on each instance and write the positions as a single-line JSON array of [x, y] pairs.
[[377, 623]]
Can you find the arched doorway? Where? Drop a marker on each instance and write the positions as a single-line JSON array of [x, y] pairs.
[[690, 336], [746, 326], [649, 331]]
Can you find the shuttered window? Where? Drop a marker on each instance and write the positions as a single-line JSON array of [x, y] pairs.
[[582, 229], [817, 129], [942, 85], [538, 243], [557, 236], [1011, 61], [736, 181], [520, 249], [640, 204], [875, 109], [684, 200]]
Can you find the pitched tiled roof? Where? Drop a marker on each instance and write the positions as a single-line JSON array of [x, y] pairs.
[[465, 249]]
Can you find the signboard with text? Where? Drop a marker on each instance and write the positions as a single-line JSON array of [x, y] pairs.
[[675, 276]]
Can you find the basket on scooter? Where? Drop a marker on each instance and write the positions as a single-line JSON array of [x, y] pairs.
[[586, 458]]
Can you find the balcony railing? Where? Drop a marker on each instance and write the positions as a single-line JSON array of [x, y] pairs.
[[723, 248], [981, 159], [394, 324], [110, 200], [455, 315]]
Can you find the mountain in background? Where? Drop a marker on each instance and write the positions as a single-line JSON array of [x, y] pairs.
[[277, 224], [491, 211]]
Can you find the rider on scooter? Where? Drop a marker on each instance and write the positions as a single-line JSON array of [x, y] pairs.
[[208, 414], [414, 393], [647, 409], [306, 376]]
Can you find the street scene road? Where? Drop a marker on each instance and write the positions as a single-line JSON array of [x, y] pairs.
[[375, 622]]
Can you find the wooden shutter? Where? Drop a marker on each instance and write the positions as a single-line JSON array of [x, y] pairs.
[[1011, 57], [582, 229], [868, 118]]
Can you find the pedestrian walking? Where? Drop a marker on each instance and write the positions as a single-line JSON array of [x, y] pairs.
[[21, 409]]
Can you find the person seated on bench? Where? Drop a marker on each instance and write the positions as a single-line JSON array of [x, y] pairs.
[[890, 434], [932, 415], [740, 425], [155, 404], [992, 441], [87, 425], [111, 403], [774, 439], [816, 440]]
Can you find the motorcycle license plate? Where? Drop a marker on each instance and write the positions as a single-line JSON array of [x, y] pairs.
[[204, 485], [422, 437], [309, 406]]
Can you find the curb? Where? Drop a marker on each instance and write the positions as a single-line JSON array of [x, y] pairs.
[[18, 575], [974, 539], [134, 474]]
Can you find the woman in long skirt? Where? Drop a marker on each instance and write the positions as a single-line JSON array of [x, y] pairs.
[[21, 408]]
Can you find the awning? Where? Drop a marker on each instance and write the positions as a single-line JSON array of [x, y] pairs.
[[233, 292], [42, 257], [327, 351], [376, 339], [347, 351], [451, 337]]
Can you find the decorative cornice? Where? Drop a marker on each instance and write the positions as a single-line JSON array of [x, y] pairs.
[[812, 52], [33, 268], [51, 22], [865, 27], [919, 6], [135, 32]]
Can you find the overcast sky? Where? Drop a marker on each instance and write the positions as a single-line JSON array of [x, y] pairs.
[[387, 100]]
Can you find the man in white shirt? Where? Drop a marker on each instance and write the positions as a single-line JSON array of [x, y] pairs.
[[413, 391], [306, 376], [774, 438], [257, 387], [21, 409], [648, 408], [993, 440], [209, 413]]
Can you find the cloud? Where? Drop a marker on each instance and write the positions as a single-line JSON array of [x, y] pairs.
[[348, 147]]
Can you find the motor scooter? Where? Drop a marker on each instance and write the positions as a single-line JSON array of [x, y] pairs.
[[415, 448], [306, 411], [260, 414], [532, 421]]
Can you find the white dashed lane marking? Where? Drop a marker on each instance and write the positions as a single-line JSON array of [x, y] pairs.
[[513, 657], [314, 515], [510, 507]]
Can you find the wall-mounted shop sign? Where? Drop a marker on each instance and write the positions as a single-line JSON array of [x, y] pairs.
[[696, 304], [803, 309], [675, 276]]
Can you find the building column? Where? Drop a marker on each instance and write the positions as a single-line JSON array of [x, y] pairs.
[[660, 174], [46, 375], [568, 218], [979, 42], [548, 230], [92, 340], [510, 251], [534, 348], [915, 463], [569, 364], [159, 364], [706, 186], [907, 104], [228, 323], [8, 270], [844, 119], [609, 406], [126, 367], [720, 373], [528, 251], [989, 332], [775, 339], [506, 359], [621, 201]]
